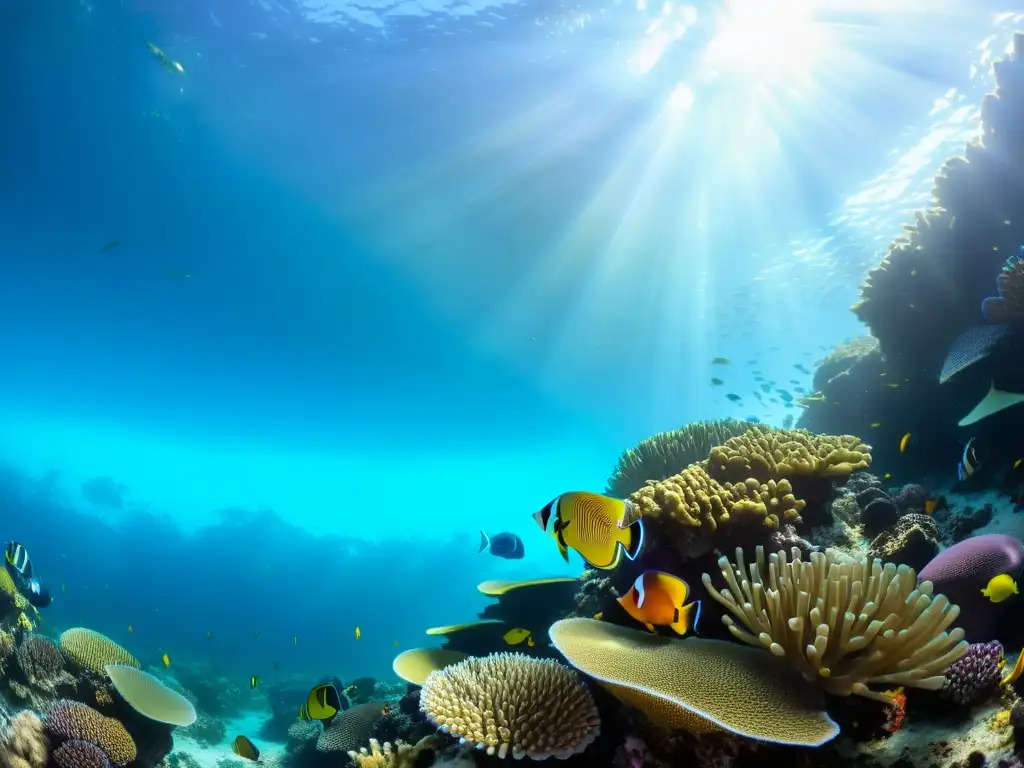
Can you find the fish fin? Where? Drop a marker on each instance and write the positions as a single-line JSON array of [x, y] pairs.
[[632, 539], [650, 627], [485, 542], [686, 618], [562, 549]]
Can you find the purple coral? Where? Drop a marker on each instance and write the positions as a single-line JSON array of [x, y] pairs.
[[975, 560], [974, 677], [80, 754], [40, 659]]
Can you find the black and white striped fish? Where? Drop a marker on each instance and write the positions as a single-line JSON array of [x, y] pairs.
[[18, 559]]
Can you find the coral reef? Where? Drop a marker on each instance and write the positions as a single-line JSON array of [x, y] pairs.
[[23, 742], [70, 720], [511, 704], [844, 623], [662, 455], [94, 651], [973, 678]]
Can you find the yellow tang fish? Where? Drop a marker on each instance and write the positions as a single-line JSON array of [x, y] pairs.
[[166, 660], [930, 506], [659, 599], [904, 441], [254, 682], [358, 633], [1000, 587], [517, 635], [598, 527]]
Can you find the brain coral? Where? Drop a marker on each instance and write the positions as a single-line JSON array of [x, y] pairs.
[[149, 697], [351, 728], [80, 754], [844, 623], [509, 703], [93, 650], [664, 454], [696, 684], [39, 659], [71, 720]]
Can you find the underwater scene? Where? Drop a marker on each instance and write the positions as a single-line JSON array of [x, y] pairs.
[[597, 383]]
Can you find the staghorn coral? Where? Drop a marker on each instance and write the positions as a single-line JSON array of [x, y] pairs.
[[845, 623], [80, 754], [773, 454], [701, 686], [71, 720], [94, 651], [973, 678], [664, 454], [509, 703], [23, 742], [40, 661]]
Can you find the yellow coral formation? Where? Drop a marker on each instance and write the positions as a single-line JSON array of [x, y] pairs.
[[415, 665], [662, 455], [772, 454], [378, 756], [748, 478], [509, 703], [93, 650], [698, 685], [71, 720], [695, 499], [25, 744], [10, 594], [842, 622]]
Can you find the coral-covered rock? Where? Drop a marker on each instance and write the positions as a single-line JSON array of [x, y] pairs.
[[913, 541], [911, 498], [878, 515], [80, 754]]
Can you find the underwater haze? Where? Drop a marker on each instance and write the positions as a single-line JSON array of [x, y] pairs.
[[297, 297]]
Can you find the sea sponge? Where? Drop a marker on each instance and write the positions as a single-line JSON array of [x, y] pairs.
[[71, 720], [415, 665], [510, 703], [698, 685], [350, 729], [973, 678], [40, 660], [773, 454], [664, 454], [842, 622], [149, 697], [694, 499], [23, 742], [80, 754], [976, 560], [94, 651]]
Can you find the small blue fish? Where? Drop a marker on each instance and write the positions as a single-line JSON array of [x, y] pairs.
[[504, 544], [968, 463]]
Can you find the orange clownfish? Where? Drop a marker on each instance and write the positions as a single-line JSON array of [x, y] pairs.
[[658, 599]]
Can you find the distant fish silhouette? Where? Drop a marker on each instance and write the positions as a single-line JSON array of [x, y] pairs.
[[110, 246], [505, 545]]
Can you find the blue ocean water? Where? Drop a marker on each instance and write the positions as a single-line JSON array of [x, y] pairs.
[[283, 330]]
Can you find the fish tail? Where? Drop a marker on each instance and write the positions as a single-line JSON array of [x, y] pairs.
[[485, 542], [686, 619], [632, 538]]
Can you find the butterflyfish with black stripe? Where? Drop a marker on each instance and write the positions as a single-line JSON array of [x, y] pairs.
[[243, 747], [323, 703], [598, 527]]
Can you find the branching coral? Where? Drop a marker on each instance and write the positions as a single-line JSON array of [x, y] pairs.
[[509, 703], [664, 454], [845, 623]]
